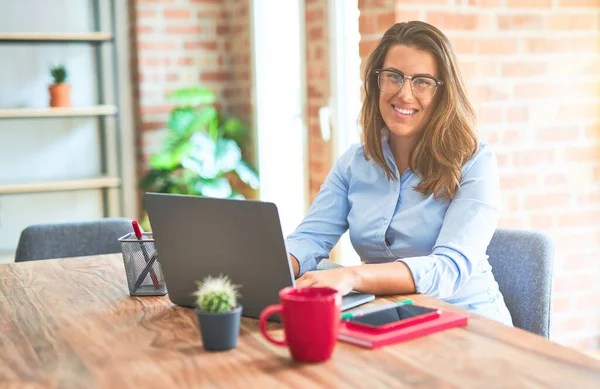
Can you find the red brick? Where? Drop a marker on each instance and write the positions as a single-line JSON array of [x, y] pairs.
[[366, 47], [156, 109], [202, 45], [316, 15], [464, 45], [175, 13], [403, 15], [529, 3], [145, 13], [210, 14], [517, 114], [222, 29], [485, 3], [541, 222], [154, 61], [547, 200], [536, 90], [583, 154], [587, 21], [519, 22], [491, 114], [423, 2], [148, 126], [557, 134], [593, 131], [577, 111], [196, 30], [493, 46], [143, 29], [523, 69], [546, 45], [533, 157], [579, 3], [518, 181], [579, 219], [557, 179], [452, 21], [214, 76], [385, 21], [367, 24], [315, 32], [156, 45]]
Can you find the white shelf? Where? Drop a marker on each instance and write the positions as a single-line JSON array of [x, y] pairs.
[[100, 110], [58, 186], [55, 37]]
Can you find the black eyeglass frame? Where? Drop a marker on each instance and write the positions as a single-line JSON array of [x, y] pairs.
[[438, 82]]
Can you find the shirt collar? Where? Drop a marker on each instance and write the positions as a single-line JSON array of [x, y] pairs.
[[387, 151]]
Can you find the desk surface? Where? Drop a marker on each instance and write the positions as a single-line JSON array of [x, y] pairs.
[[70, 323]]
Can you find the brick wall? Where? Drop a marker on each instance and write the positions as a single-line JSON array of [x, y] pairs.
[[183, 43], [532, 68], [317, 81]]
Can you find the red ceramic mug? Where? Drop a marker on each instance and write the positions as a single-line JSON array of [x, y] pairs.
[[311, 321]]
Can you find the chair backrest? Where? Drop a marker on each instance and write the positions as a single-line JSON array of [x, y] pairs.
[[60, 240], [522, 263]]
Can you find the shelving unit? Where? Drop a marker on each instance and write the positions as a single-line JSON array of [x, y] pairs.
[[23, 113], [50, 37], [106, 131], [62, 185]]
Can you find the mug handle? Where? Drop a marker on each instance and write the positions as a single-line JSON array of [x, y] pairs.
[[268, 311]]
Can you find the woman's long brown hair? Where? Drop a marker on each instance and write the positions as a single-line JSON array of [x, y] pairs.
[[448, 139]]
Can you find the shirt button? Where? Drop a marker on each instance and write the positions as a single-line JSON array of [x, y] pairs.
[[385, 220]]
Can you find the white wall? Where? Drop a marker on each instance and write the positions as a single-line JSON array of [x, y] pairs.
[[46, 149]]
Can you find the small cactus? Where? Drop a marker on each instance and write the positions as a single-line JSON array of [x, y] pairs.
[[216, 294], [59, 74]]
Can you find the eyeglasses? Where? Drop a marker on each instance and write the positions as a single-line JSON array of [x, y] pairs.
[[391, 81]]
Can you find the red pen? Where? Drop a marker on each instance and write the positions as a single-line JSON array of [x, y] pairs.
[[139, 236]]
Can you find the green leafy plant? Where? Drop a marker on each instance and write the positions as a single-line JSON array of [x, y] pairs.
[[59, 74], [202, 153], [216, 294]]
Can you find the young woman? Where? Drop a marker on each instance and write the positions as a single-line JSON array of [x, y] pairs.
[[420, 196]]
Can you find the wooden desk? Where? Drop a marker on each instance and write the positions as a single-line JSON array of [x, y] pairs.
[[70, 323]]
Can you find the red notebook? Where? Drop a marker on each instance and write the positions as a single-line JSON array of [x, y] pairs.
[[370, 340]]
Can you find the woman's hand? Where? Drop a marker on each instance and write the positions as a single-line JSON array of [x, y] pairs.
[[344, 280]]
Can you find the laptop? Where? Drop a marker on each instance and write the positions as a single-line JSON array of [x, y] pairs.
[[200, 236]]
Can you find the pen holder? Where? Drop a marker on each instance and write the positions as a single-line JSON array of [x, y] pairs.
[[142, 268]]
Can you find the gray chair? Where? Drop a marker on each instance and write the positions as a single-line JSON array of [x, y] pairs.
[[522, 263], [75, 239]]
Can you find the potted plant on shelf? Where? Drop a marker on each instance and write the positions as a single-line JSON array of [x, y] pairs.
[[60, 91], [218, 313]]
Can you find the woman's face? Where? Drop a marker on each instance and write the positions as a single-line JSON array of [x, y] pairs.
[[403, 113]]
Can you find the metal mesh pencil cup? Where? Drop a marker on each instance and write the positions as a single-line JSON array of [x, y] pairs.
[[142, 268]]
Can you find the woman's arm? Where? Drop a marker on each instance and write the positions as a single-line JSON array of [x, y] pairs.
[[467, 229], [325, 221]]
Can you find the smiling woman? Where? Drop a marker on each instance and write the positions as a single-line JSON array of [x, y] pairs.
[[420, 197]]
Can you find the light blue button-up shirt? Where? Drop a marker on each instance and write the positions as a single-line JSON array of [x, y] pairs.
[[443, 242]]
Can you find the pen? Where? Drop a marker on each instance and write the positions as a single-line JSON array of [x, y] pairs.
[[349, 315], [139, 236]]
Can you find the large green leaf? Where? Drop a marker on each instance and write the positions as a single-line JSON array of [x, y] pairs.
[[235, 129], [203, 118], [192, 96], [210, 159], [247, 174], [228, 155], [218, 187], [180, 120]]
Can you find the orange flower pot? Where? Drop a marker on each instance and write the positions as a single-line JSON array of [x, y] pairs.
[[60, 95]]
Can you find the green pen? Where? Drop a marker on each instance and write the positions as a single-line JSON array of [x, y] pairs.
[[349, 315]]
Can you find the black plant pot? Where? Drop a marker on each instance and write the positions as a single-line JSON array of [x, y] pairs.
[[219, 330]]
